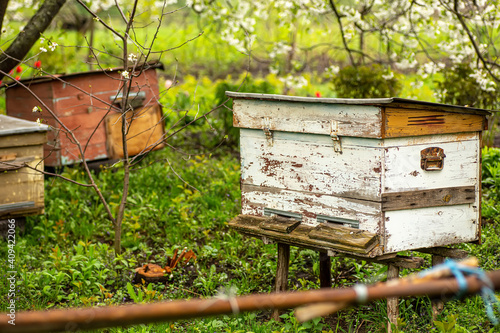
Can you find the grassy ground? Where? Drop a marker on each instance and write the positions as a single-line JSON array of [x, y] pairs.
[[65, 257]]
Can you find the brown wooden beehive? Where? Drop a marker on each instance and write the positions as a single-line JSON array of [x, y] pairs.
[[21, 144], [404, 173], [81, 101]]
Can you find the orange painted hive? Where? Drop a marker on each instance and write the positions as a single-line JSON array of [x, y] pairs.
[[82, 102]]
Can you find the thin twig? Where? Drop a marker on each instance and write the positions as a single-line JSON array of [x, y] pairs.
[[341, 27]]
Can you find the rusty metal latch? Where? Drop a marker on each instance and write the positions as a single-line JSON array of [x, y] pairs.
[[334, 130], [266, 126], [432, 159]]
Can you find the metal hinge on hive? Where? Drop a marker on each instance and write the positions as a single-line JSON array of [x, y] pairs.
[[266, 126], [334, 130]]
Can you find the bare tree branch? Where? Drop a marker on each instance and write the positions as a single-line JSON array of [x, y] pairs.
[[344, 41], [29, 36], [3, 11], [75, 141], [473, 41], [96, 17]]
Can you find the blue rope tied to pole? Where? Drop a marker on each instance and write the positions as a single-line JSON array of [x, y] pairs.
[[459, 272]]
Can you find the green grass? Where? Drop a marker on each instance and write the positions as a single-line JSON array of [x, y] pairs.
[[65, 257]]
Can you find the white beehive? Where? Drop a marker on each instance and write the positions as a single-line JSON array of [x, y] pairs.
[[406, 171]]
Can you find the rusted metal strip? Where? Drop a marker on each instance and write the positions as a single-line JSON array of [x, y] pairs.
[[94, 318]]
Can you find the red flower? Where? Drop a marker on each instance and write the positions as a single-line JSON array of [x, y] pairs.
[[0, 82], [18, 78], [19, 69], [38, 64], [318, 94]]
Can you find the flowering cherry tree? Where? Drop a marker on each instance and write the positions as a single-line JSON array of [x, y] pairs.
[[134, 55], [421, 36], [29, 35], [418, 36]]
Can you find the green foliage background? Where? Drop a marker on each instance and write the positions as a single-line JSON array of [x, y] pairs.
[[184, 197]]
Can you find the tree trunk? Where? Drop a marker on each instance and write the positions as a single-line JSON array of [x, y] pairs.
[[3, 10], [28, 37]]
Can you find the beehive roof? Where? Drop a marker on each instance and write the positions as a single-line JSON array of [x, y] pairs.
[[391, 101], [11, 125]]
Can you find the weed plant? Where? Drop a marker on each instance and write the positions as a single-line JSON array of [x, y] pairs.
[[64, 259]]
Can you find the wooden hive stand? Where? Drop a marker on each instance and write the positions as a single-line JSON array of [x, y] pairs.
[[334, 241]]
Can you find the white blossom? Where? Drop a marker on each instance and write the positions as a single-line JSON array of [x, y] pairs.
[[52, 45], [388, 76], [483, 80], [125, 74], [132, 58]]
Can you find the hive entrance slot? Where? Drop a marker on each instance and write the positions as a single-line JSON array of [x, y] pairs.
[[282, 213], [337, 221], [280, 221]]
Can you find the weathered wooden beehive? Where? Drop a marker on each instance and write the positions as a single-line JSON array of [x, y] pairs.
[[21, 144], [363, 176], [81, 101]]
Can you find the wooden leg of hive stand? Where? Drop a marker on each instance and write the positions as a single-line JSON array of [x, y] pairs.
[[282, 273], [392, 302], [437, 304], [325, 270]]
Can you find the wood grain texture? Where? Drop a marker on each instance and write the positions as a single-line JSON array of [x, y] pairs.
[[402, 170], [316, 118], [309, 163], [255, 199], [23, 185], [249, 225], [402, 122], [15, 164], [429, 198], [299, 237], [281, 283], [430, 227], [392, 302], [33, 151], [144, 133], [282, 267], [439, 107], [280, 224], [18, 140], [81, 102], [347, 236]]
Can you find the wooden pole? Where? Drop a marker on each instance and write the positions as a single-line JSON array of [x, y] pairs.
[[325, 270], [437, 304], [112, 316], [282, 273], [392, 302]]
